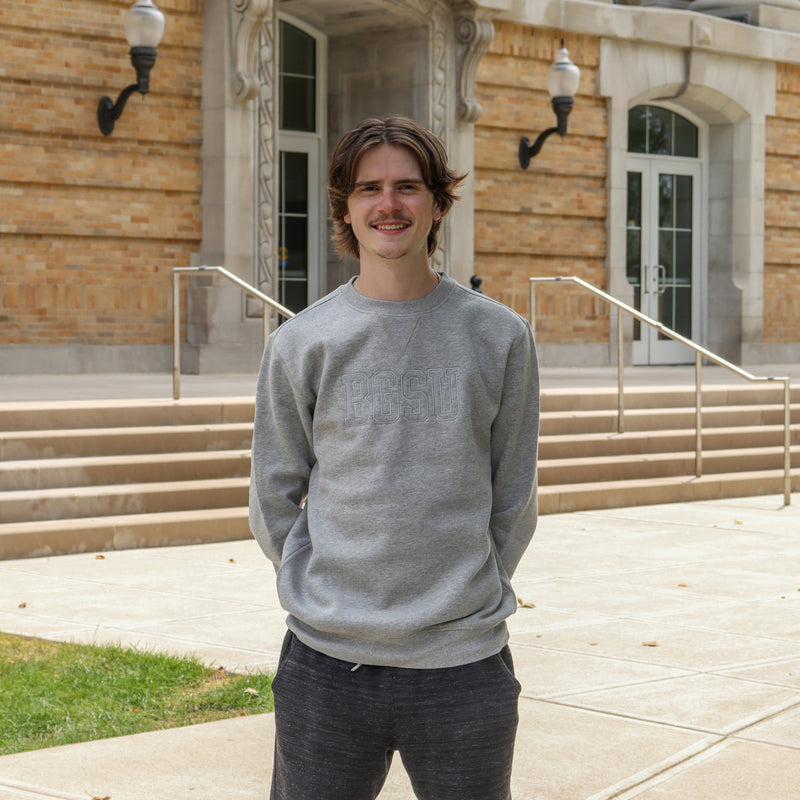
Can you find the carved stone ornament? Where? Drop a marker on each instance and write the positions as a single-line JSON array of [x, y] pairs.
[[267, 158], [474, 37], [247, 19]]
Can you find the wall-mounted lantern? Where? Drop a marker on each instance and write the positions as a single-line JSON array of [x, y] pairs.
[[563, 78], [144, 27]]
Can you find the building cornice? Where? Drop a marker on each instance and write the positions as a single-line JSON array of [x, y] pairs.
[[651, 25]]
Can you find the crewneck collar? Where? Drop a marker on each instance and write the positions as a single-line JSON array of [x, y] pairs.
[[421, 305]]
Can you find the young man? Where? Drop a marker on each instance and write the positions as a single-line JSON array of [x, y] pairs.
[[394, 488]]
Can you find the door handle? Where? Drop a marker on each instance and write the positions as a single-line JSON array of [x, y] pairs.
[[661, 279]]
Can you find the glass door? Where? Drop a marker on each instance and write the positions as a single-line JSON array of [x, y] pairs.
[[297, 225], [663, 255], [301, 196]]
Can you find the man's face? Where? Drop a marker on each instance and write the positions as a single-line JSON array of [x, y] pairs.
[[391, 210]]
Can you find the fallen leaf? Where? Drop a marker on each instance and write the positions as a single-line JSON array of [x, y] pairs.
[[232, 560], [649, 644], [683, 585], [25, 605], [522, 604], [738, 522], [100, 557], [252, 691]]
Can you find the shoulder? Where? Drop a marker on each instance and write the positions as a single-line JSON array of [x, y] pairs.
[[310, 324], [488, 312]]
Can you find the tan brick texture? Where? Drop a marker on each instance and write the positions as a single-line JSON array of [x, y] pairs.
[[782, 212], [91, 226], [551, 219]]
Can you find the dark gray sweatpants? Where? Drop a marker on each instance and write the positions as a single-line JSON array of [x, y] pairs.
[[337, 728]]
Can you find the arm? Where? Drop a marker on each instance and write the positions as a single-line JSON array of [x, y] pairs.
[[282, 455], [514, 448]]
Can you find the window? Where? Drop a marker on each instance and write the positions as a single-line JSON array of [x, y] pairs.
[[660, 132], [298, 79]]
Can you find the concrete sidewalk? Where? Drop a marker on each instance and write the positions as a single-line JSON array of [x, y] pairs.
[[15, 388], [658, 650]]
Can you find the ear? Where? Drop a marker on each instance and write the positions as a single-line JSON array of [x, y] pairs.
[[346, 219], [437, 213]]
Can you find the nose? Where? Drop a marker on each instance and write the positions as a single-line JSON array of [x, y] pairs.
[[389, 200]]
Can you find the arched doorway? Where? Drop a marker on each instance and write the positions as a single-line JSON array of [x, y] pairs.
[[664, 230]]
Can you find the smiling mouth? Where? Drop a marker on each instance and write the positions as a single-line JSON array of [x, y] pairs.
[[391, 226]]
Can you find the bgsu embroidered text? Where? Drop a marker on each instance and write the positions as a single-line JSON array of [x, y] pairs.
[[415, 395]]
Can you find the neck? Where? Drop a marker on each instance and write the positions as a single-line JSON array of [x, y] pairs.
[[398, 284]]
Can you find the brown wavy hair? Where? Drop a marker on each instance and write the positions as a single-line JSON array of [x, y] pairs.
[[426, 148]]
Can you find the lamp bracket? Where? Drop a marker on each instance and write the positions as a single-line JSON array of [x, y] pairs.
[[247, 18], [108, 112], [562, 107], [527, 151]]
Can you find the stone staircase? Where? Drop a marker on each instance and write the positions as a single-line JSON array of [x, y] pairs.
[[96, 475], [584, 463]]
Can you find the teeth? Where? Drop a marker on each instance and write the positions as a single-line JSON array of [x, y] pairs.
[[390, 227]]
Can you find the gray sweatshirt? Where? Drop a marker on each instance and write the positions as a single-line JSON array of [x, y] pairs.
[[410, 430]]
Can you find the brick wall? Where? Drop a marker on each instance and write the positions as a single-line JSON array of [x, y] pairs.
[[551, 219], [91, 226], [782, 212]]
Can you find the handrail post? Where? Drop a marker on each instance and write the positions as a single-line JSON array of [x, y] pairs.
[[700, 353], [532, 305], [176, 314], [620, 376], [698, 414], [787, 442], [176, 335]]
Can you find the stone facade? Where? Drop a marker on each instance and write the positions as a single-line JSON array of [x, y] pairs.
[[92, 226]]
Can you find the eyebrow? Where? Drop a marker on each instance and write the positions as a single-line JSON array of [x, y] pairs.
[[378, 180]]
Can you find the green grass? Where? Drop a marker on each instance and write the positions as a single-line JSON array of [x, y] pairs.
[[53, 694]]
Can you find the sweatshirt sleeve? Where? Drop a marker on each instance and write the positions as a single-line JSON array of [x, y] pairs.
[[514, 450], [282, 453]]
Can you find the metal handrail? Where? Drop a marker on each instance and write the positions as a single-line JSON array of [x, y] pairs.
[[176, 314], [700, 354]]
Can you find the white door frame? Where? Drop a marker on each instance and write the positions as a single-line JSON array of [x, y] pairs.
[[652, 348]]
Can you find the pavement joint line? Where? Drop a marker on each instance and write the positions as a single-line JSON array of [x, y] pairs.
[[604, 712], [702, 751], [757, 719], [689, 670], [27, 790], [554, 696], [640, 781]]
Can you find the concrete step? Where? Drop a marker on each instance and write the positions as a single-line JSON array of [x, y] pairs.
[[568, 471], [55, 415], [82, 535], [671, 441], [123, 469], [641, 397], [651, 491], [78, 442], [604, 421], [134, 498]]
